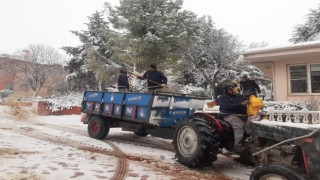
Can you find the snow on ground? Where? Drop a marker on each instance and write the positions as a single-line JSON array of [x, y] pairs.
[[26, 157]]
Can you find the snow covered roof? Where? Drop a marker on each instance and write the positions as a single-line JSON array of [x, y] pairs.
[[301, 45], [299, 51]]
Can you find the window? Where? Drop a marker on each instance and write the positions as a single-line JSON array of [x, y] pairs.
[[304, 78], [315, 78]]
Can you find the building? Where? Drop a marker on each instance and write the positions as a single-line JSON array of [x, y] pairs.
[[294, 70], [13, 79]]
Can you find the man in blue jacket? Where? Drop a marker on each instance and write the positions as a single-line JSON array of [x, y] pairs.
[[155, 79], [123, 83], [232, 102], [234, 108]]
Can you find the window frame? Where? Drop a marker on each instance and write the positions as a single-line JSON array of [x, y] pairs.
[[309, 89]]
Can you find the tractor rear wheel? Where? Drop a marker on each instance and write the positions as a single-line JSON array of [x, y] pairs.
[[98, 128], [196, 142]]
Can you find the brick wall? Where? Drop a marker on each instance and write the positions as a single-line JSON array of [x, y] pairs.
[[12, 80], [39, 107]]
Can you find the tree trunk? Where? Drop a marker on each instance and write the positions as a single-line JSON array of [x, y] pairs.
[[34, 94], [100, 85]]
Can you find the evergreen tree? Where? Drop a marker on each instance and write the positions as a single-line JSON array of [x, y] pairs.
[[79, 78], [261, 44], [158, 30], [310, 30], [88, 66]]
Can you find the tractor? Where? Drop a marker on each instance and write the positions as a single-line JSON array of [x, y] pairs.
[[199, 135]]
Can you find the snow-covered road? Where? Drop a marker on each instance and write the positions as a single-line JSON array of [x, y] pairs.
[[58, 147]]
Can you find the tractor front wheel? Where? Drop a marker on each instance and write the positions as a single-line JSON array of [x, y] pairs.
[[195, 142], [98, 128], [272, 171]]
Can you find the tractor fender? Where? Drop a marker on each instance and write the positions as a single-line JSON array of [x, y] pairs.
[[210, 118]]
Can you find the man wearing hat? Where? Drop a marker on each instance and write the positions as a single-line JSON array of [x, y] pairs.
[[248, 87], [155, 79], [233, 107]]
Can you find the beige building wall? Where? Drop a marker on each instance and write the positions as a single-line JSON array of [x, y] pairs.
[[275, 64], [280, 82]]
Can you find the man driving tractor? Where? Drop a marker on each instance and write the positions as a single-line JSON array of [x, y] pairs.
[[233, 107]]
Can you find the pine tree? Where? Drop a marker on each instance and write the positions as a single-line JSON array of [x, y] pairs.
[[158, 30], [310, 30], [88, 66]]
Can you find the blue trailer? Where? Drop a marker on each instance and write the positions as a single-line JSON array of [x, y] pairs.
[[155, 114]]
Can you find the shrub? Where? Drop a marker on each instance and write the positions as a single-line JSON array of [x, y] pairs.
[[64, 102], [5, 93]]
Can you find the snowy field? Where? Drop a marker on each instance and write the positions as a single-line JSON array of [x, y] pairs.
[[58, 147]]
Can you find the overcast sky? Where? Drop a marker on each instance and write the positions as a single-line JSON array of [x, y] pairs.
[[25, 22]]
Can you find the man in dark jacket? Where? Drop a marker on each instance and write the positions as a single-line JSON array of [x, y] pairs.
[[155, 79], [123, 83], [248, 87], [232, 102], [234, 108]]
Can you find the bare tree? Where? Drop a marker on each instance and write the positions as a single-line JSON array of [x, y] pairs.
[[38, 64]]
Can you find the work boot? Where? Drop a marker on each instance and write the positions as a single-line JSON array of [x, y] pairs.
[[246, 158]]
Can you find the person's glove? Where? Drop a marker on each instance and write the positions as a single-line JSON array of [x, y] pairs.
[[244, 103], [163, 85]]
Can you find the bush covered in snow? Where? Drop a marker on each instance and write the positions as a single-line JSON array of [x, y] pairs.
[[64, 102], [193, 90], [283, 105], [5, 93]]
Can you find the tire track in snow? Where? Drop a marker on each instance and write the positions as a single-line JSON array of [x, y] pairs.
[[176, 170], [160, 144], [122, 164]]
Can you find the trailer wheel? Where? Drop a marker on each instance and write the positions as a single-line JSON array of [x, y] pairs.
[[195, 142], [98, 128], [141, 133], [272, 171]]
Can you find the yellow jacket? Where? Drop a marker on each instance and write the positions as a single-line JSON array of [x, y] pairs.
[[254, 105]]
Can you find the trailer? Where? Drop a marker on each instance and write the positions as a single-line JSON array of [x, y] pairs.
[[156, 114]]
